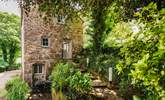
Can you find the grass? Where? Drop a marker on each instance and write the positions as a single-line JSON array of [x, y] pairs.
[[3, 93]]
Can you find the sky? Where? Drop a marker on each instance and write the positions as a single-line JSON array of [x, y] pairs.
[[10, 6]]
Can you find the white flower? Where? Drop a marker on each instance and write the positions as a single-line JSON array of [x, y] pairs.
[[135, 29]]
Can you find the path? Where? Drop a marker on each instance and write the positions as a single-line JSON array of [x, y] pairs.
[[5, 76], [102, 90]]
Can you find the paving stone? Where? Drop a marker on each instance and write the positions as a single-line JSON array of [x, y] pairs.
[[98, 83]]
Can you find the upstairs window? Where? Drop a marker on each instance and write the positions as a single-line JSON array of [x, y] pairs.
[[45, 42], [38, 68], [67, 50], [61, 19]]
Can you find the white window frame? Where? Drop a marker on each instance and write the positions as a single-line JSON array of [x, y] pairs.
[[61, 19], [38, 65], [67, 50]]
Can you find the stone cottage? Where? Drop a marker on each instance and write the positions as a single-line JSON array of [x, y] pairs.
[[46, 42]]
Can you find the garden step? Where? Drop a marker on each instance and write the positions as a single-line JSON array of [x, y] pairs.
[[40, 96], [98, 83], [104, 94], [99, 93], [101, 90], [94, 77]]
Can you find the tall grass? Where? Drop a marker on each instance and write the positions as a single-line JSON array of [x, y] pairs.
[[17, 89]]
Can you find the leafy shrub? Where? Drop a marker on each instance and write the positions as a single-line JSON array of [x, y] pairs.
[[80, 82], [3, 65], [69, 81], [16, 89], [101, 64], [60, 74], [142, 52]]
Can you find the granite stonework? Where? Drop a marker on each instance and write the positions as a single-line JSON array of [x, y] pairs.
[[35, 28]]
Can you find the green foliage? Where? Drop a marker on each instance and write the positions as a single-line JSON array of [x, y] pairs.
[[101, 64], [3, 66], [9, 38], [60, 74], [88, 30], [100, 55], [112, 16], [17, 89], [142, 52], [71, 8], [118, 35], [65, 78], [136, 97], [80, 82]]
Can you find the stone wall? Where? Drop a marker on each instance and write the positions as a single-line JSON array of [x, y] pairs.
[[34, 28]]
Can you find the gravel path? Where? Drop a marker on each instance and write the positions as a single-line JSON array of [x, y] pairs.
[[5, 76]]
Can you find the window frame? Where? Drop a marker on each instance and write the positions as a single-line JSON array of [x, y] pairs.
[[38, 68], [67, 49], [45, 41], [61, 19]]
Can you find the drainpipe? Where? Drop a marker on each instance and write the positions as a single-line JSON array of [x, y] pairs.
[[22, 38]]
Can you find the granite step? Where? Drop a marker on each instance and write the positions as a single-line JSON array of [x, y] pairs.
[[98, 83]]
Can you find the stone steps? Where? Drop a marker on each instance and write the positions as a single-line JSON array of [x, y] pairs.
[[98, 83], [40, 96], [101, 90]]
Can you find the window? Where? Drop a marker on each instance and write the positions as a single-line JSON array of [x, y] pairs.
[[67, 50], [45, 42], [60, 19], [38, 68]]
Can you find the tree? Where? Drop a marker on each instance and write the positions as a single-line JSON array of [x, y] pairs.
[[142, 52], [9, 36], [132, 6]]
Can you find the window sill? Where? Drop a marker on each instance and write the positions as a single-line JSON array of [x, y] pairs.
[[67, 58], [45, 46], [39, 73], [61, 23]]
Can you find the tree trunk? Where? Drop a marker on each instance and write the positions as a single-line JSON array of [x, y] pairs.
[[4, 53], [12, 51], [99, 26]]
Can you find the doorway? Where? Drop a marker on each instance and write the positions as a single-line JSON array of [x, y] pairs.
[[38, 72]]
